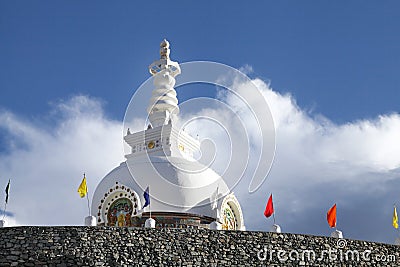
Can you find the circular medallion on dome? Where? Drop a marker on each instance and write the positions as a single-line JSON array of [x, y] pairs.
[[120, 213], [229, 220]]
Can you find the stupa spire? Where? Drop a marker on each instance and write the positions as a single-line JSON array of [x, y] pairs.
[[163, 103]]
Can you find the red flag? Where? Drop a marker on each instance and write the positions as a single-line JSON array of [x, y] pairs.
[[331, 216], [269, 209]]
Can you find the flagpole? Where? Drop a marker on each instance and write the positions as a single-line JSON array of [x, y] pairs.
[[87, 195], [6, 200], [273, 215], [336, 220], [4, 211], [149, 203], [216, 198], [88, 205]]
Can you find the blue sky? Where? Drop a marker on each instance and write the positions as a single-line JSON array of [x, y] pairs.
[[337, 59]]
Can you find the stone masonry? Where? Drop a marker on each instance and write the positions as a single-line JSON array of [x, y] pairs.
[[110, 246]]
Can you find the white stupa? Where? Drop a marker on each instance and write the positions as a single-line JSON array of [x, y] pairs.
[[183, 192]]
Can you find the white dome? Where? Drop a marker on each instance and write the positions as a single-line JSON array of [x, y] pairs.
[[176, 185]]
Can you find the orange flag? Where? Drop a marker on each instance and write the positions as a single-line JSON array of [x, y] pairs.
[[269, 209], [331, 216]]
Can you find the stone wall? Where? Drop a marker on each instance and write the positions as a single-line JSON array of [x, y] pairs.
[[110, 246]]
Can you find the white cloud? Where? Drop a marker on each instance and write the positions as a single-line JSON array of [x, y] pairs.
[[365, 143], [46, 162]]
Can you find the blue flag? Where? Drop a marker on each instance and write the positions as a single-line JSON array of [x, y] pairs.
[[146, 196]]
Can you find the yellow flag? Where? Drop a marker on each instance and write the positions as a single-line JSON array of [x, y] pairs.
[[395, 219], [82, 190]]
